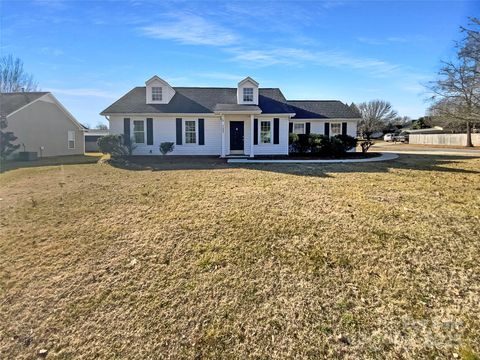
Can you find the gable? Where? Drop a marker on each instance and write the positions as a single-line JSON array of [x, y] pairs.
[[11, 102]]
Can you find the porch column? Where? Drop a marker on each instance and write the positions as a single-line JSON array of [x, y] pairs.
[[251, 135], [223, 136]]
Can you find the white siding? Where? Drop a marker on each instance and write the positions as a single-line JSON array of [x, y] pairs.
[[273, 149], [318, 126], [164, 130]]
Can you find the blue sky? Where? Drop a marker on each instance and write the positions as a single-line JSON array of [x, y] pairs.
[[89, 53]]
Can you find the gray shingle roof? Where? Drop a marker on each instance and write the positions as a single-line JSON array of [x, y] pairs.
[[321, 109], [10, 102], [236, 107], [195, 100]]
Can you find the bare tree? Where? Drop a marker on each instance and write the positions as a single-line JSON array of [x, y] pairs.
[[101, 127], [376, 114], [13, 77], [456, 91]]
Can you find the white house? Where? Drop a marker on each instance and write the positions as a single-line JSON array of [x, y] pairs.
[[245, 120], [42, 124]]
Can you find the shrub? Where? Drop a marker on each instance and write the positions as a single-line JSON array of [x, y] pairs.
[[316, 144], [365, 145], [349, 142], [112, 144], [166, 147]]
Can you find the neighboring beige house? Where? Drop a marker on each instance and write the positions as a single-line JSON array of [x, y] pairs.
[[42, 124]]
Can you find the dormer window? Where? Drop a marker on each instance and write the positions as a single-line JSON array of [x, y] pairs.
[[156, 93], [247, 94]]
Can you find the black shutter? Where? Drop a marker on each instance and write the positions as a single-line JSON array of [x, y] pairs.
[[126, 131], [276, 130], [344, 128], [255, 131], [327, 129], [149, 131], [201, 132], [179, 131], [307, 128], [290, 128]]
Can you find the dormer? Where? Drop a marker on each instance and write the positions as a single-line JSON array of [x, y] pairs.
[[158, 91], [247, 91]]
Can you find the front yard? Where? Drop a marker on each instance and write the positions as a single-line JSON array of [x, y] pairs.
[[209, 260]]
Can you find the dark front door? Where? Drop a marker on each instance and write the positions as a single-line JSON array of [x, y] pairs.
[[236, 135]]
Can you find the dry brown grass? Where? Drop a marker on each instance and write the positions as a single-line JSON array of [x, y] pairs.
[[205, 260]]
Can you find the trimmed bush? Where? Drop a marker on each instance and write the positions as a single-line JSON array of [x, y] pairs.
[[321, 145], [166, 147]]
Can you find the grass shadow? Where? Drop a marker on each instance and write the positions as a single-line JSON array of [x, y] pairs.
[[422, 162], [91, 158]]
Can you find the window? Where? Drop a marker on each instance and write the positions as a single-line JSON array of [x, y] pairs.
[[265, 132], [156, 93], [247, 94], [299, 128], [335, 129], [139, 131], [71, 139], [190, 132]]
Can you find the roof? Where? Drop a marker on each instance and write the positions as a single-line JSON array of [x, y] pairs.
[[321, 109], [236, 108], [11, 102], [195, 100]]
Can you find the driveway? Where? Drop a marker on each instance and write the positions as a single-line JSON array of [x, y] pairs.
[[400, 148]]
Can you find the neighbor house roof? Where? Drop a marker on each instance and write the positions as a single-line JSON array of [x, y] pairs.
[[10, 102], [196, 100], [321, 109]]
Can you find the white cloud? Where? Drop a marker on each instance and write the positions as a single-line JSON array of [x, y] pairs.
[[51, 51], [221, 76], [383, 41], [84, 92], [330, 58], [191, 29]]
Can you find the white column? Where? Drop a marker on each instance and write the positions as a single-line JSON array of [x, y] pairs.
[[251, 135], [223, 136]]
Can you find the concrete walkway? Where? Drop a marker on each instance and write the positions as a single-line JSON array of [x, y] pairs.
[[383, 157]]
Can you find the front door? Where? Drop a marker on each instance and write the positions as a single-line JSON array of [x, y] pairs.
[[236, 135]]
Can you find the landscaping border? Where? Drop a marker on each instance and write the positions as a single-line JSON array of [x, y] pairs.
[[383, 157]]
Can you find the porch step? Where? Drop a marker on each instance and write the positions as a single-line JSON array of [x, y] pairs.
[[236, 156]]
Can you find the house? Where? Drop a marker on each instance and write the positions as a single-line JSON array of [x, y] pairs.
[[243, 120], [91, 138], [41, 124]]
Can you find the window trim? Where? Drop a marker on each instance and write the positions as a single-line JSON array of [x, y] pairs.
[[331, 130], [243, 93], [144, 131], [161, 93], [184, 131], [260, 142], [300, 123], [68, 139]]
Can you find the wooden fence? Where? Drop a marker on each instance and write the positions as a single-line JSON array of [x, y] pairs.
[[443, 139]]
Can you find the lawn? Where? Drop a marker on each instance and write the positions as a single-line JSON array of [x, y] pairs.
[[200, 259]]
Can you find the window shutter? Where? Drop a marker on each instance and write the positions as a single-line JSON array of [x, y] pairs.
[[149, 131], [307, 128], [179, 131], [344, 128], [327, 129], [255, 131], [126, 131], [201, 132], [276, 130], [290, 128]]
